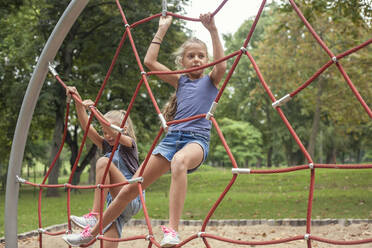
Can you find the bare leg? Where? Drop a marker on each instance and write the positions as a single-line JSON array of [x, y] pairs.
[[111, 233], [157, 166], [187, 158], [114, 176]]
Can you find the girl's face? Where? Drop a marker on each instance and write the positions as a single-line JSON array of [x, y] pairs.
[[109, 134], [195, 55]]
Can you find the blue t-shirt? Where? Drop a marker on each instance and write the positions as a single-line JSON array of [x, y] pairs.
[[194, 97]]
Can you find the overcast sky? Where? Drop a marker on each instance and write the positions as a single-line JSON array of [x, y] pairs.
[[228, 19]]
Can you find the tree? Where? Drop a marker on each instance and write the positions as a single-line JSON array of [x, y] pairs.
[[287, 56], [84, 59], [244, 140]]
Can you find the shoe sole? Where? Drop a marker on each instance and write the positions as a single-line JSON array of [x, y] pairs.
[[65, 239], [168, 245]]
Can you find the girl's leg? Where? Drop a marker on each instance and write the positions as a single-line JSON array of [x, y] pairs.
[[111, 233], [156, 166], [185, 159], [114, 176]]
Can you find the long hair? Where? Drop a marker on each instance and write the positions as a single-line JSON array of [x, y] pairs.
[[180, 52], [170, 108], [117, 117]]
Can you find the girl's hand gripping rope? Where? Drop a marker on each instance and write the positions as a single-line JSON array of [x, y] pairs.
[[208, 21]]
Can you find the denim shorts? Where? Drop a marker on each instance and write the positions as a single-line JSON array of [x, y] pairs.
[[176, 140], [133, 207]]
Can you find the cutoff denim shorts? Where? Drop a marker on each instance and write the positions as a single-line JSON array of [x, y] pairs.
[[176, 140], [133, 207]]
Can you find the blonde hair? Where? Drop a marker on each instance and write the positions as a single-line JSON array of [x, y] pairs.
[[180, 52], [170, 108], [117, 117]]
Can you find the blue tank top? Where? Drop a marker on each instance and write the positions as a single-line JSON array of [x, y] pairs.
[[194, 97]]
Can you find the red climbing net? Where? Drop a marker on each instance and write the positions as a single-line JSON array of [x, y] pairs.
[[308, 237]]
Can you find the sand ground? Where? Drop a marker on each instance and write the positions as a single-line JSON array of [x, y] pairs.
[[245, 233]]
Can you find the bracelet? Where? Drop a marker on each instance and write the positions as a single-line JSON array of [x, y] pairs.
[[158, 43]]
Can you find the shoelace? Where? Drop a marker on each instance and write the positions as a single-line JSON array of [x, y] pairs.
[[86, 232], [170, 231], [90, 215]]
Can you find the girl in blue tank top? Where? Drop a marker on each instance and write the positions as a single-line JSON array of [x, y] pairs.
[[186, 144]]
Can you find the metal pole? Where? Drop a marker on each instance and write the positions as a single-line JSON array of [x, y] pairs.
[[50, 50]]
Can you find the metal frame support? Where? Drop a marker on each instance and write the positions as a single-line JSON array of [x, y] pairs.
[[52, 69], [20, 179], [311, 166], [30, 99]]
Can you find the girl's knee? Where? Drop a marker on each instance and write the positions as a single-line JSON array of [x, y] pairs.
[[101, 163], [179, 164], [129, 191]]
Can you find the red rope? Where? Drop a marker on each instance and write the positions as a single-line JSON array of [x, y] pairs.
[[312, 166]]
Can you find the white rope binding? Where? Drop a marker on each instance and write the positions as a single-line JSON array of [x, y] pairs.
[[281, 101], [241, 171], [164, 7], [52, 69], [120, 130], [20, 179], [163, 122], [135, 180], [211, 111]]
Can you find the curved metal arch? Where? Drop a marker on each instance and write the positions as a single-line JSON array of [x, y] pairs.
[[50, 50]]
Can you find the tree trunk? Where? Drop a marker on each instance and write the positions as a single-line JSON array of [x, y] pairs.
[[87, 159], [316, 122], [60, 102], [269, 157], [56, 143], [92, 171]]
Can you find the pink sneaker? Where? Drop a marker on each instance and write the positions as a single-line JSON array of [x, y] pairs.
[[89, 219], [171, 237], [79, 239]]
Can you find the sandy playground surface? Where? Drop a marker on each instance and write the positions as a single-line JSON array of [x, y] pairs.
[[262, 232]]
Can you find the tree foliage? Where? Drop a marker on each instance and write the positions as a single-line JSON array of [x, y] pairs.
[[288, 55], [84, 59], [326, 115], [244, 140]]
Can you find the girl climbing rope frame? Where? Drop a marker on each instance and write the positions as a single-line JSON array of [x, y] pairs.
[[47, 56]]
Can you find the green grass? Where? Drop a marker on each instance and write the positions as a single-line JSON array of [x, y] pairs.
[[337, 194]]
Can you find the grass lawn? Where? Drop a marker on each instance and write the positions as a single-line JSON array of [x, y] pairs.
[[337, 194]]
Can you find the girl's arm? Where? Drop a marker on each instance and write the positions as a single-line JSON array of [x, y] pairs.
[[219, 69], [93, 135], [151, 58], [124, 139]]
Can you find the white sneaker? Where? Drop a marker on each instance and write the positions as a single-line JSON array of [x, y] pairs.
[[86, 220], [171, 237], [79, 239]]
